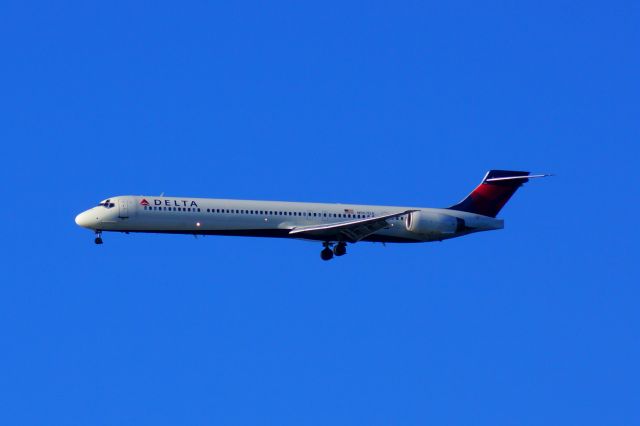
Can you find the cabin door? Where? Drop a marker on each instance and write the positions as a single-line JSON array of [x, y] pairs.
[[123, 208]]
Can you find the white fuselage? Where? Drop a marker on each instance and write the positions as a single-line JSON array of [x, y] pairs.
[[205, 216]]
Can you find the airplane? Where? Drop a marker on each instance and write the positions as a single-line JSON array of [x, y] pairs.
[[335, 225]]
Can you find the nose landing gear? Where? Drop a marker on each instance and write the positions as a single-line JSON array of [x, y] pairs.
[[98, 239], [327, 253]]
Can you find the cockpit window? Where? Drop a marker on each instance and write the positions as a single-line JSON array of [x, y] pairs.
[[107, 204]]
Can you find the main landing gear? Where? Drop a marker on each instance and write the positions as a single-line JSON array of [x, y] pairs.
[[98, 239], [327, 253]]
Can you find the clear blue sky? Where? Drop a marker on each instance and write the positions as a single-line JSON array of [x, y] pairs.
[[372, 102]]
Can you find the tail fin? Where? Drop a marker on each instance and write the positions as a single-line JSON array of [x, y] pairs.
[[492, 194]]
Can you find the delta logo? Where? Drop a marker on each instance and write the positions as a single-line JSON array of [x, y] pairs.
[[169, 203]]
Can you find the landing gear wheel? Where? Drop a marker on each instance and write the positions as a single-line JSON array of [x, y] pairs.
[[340, 249], [326, 254], [98, 239]]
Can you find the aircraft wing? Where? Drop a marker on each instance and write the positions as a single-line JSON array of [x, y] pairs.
[[351, 231]]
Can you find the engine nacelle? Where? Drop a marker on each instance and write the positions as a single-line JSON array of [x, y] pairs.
[[432, 224]]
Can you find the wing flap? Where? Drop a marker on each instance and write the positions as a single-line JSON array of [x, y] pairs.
[[351, 231]]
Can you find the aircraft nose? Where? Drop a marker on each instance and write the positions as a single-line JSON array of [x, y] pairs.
[[86, 219]]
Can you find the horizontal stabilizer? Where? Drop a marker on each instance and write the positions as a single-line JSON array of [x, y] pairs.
[[498, 179]]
